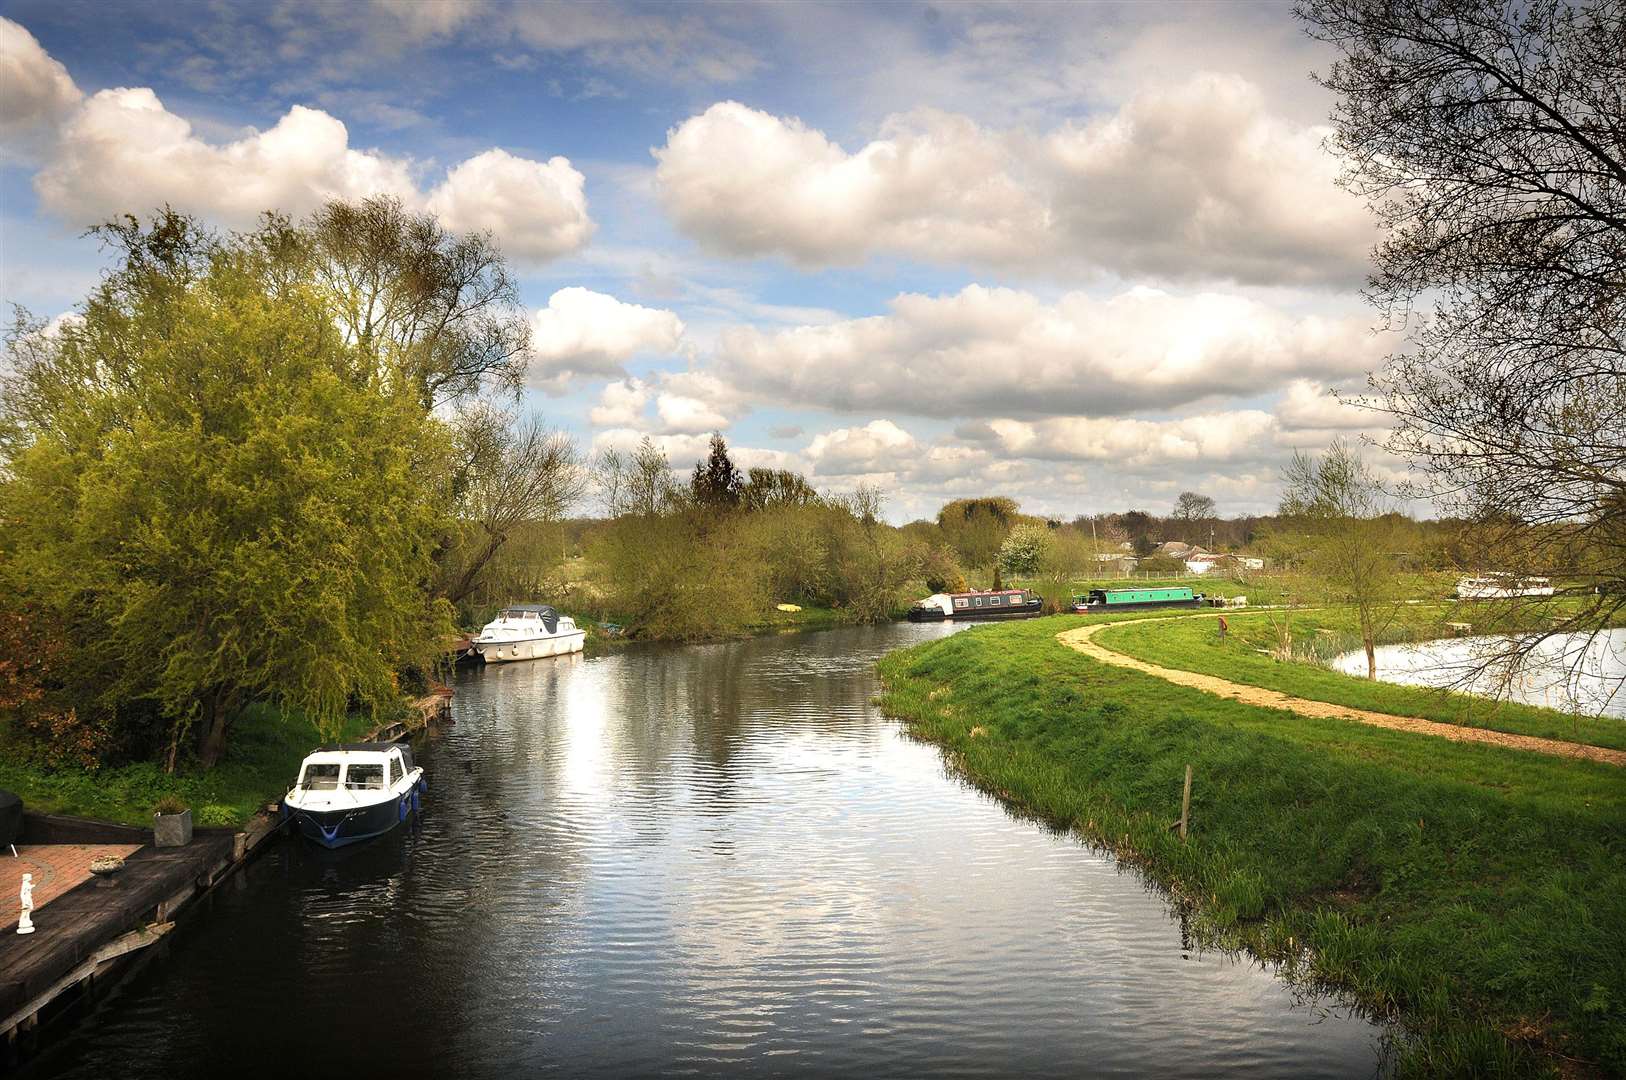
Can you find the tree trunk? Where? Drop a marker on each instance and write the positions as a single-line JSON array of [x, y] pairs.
[[471, 575], [212, 731], [1371, 658]]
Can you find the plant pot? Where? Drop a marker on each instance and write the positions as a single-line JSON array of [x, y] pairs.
[[172, 830]]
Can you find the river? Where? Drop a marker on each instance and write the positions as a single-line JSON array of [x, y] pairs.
[[703, 860], [1583, 673]]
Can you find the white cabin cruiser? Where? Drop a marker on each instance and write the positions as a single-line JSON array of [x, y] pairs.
[[528, 631], [353, 791], [1502, 586]]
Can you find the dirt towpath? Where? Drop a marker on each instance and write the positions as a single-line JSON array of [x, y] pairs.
[[1082, 639]]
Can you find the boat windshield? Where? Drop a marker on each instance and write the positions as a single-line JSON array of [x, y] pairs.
[[364, 777], [319, 777]]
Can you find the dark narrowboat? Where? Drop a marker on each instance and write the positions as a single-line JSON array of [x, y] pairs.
[[995, 604], [354, 791], [1120, 599]]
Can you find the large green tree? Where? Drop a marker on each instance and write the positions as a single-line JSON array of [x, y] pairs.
[[199, 489]]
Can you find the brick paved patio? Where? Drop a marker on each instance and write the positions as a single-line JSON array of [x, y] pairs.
[[56, 869]]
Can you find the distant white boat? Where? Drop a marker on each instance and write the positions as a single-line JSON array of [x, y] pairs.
[[527, 632], [1499, 586]]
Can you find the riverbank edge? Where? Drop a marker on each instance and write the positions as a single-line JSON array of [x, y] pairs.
[[1310, 943]]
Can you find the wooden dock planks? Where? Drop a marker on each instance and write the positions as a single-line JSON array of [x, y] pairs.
[[87, 918]]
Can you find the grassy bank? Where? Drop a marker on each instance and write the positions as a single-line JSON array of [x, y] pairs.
[[1244, 656], [261, 760], [1473, 893]]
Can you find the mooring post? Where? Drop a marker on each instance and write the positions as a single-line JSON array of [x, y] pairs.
[[1185, 806]]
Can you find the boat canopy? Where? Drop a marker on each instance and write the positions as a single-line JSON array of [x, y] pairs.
[[549, 617]]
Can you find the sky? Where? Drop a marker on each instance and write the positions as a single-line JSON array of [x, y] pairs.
[[1085, 255]]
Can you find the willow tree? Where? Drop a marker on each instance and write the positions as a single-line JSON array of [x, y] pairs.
[[1488, 138], [198, 489], [521, 474]]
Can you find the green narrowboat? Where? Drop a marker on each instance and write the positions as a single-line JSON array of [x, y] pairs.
[[1118, 599]]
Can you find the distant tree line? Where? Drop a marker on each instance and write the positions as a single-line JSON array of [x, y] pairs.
[[715, 556]]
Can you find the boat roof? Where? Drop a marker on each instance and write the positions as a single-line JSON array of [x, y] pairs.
[[548, 608], [340, 748]]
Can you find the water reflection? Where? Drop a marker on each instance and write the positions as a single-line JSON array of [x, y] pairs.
[[1581, 673], [708, 860]]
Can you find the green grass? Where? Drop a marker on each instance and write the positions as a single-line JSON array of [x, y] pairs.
[[262, 759], [1194, 645], [1476, 895]]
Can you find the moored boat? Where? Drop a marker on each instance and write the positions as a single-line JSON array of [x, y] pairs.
[[994, 604], [526, 632], [354, 791], [1502, 586], [1120, 599]]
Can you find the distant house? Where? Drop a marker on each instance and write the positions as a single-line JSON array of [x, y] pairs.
[[1202, 562], [1177, 549]]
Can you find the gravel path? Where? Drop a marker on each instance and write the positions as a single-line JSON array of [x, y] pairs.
[[1082, 637]]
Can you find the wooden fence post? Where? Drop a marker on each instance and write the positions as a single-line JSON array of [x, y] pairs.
[[1185, 806]]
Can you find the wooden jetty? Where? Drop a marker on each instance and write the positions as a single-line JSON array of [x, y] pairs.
[[89, 931], [432, 710]]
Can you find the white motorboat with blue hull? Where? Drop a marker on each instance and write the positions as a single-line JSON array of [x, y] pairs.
[[528, 632], [354, 791]]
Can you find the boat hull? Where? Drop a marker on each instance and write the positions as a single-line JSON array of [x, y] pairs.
[[495, 652], [338, 828], [1027, 611], [1085, 609]]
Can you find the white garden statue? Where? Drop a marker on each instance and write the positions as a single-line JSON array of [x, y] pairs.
[[25, 925]]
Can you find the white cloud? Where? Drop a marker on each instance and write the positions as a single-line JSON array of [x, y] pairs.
[[124, 152], [584, 332], [1315, 406], [688, 415], [878, 447], [621, 404], [1242, 435], [685, 403], [987, 352], [537, 210], [1195, 181], [36, 92]]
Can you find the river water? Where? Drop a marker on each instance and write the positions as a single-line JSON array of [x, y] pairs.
[[1583, 673], [697, 861]]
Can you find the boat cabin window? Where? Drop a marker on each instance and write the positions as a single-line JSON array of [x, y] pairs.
[[364, 777], [960, 602], [319, 777], [396, 770]]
